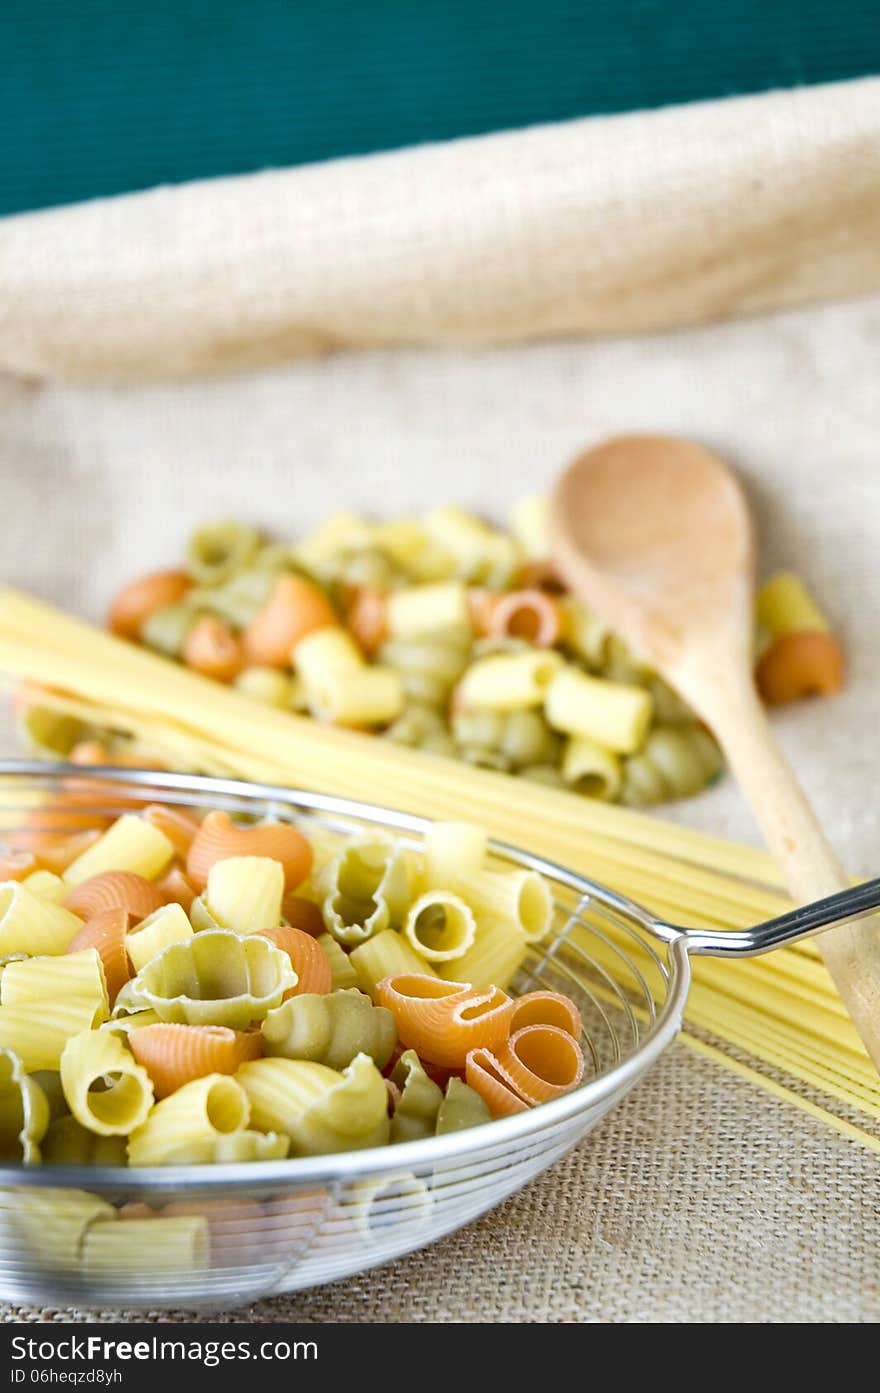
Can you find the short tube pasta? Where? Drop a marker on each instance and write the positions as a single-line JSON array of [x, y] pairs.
[[591, 768], [423, 610], [185, 1128], [368, 697], [495, 956], [452, 847], [148, 1249], [30, 923], [244, 893], [784, 605], [522, 898], [131, 844], [41, 981], [440, 926], [45, 1228], [325, 655], [386, 955], [168, 925], [509, 681], [528, 523], [95, 1055], [39, 1040], [616, 716]]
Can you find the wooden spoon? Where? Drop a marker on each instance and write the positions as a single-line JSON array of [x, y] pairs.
[[654, 534]]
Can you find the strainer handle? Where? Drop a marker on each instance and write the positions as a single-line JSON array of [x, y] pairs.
[[798, 923]]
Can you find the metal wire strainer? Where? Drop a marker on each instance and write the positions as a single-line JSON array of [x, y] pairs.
[[282, 1225]]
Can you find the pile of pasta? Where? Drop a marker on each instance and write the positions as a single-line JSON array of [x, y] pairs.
[[184, 990], [447, 634]]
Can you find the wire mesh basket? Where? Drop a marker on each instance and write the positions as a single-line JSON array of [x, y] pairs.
[[268, 1227]]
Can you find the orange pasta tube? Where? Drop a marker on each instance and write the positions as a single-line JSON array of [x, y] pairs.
[[310, 962], [174, 1055], [367, 617], [115, 890], [545, 1008], [218, 838], [212, 649], [295, 608], [541, 1062], [179, 826], [136, 602], [303, 914], [444, 1021], [176, 889], [484, 1076], [105, 932], [800, 665], [528, 614]]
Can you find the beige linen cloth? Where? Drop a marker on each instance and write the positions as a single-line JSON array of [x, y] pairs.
[[700, 1198]]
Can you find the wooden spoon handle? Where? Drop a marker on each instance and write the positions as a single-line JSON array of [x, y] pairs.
[[851, 952]]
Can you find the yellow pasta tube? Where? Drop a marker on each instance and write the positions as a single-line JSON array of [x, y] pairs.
[[324, 654], [420, 610], [785, 606], [583, 633], [46, 886], [366, 696], [522, 898], [267, 685], [528, 523], [479, 551], [29, 923], [510, 681], [131, 844], [71, 977], [245, 892], [493, 959], [38, 1038], [46, 1228], [184, 1128], [385, 955], [591, 768], [451, 847], [342, 971], [613, 714], [165, 926], [145, 1248], [440, 926], [95, 1056]]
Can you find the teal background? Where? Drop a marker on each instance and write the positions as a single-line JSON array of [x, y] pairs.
[[103, 96]]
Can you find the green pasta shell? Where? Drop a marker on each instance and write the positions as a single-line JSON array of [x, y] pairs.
[[215, 978], [220, 549], [420, 1099], [462, 1107], [367, 889], [330, 1029], [24, 1112]]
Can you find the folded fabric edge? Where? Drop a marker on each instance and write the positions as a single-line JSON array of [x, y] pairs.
[[605, 225]]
